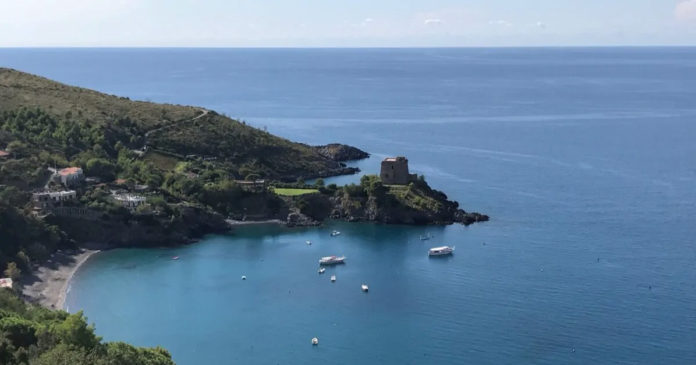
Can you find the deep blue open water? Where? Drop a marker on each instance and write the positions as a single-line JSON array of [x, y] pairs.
[[584, 158]]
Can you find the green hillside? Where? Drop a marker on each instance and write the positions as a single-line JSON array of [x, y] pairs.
[[34, 335], [74, 122]]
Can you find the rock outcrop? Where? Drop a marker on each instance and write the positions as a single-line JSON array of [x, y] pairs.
[[415, 204], [372, 210], [341, 152]]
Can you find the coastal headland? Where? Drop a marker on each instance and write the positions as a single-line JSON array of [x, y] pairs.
[[82, 166]]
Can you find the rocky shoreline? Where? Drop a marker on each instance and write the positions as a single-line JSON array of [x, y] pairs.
[[341, 152], [48, 284]]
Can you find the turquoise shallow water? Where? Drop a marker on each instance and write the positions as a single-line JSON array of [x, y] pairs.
[[584, 159]]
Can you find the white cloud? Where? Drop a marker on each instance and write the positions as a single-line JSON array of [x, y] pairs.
[[685, 11], [433, 21], [367, 21], [500, 22]]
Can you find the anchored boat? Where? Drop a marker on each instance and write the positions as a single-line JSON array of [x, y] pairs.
[[441, 251], [331, 260]]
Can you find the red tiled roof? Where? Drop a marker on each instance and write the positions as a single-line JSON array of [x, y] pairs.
[[4, 153], [69, 171], [120, 181]]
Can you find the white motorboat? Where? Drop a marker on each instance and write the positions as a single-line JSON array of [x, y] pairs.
[[364, 287], [335, 233], [309, 242], [331, 260], [243, 277], [315, 341], [441, 251], [321, 270], [333, 278]]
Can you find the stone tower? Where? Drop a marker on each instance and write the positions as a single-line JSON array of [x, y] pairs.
[[395, 171]]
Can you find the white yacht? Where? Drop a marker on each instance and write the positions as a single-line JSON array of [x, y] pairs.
[[331, 260], [364, 287], [321, 270], [308, 242], [441, 251], [333, 278], [335, 233]]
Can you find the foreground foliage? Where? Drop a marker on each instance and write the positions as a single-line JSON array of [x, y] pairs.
[[34, 335]]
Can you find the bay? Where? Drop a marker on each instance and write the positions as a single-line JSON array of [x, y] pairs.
[[583, 158]]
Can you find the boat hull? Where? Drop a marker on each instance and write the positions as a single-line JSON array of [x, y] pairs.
[[439, 253], [329, 263]]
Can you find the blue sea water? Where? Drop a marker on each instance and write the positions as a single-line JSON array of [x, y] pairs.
[[583, 157]]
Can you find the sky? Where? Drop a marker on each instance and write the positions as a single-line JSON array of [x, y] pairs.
[[345, 23]]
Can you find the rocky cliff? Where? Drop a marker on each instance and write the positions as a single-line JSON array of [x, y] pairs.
[[142, 230], [415, 203], [341, 152]]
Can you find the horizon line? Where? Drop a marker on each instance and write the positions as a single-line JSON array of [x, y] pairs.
[[351, 47]]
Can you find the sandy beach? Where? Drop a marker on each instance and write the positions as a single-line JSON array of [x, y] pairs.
[[48, 284]]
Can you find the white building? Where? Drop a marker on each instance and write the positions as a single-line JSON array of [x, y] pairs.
[[6, 283], [71, 176], [46, 199], [130, 201]]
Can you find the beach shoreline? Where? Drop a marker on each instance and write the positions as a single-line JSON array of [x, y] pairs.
[[233, 223], [48, 284]]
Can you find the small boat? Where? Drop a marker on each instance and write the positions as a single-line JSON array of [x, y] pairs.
[[243, 277], [315, 341], [335, 233], [175, 258], [331, 260], [441, 251], [309, 242], [333, 278], [426, 237], [321, 270], [364, 287]]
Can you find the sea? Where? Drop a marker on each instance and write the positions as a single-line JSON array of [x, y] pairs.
[[584, 158]]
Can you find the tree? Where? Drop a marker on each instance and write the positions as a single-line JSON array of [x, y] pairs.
[[18, 149], [101, 168], [319, 183], [20, 331], [13, 196], [373, 185], [74, 330], [12, 271]]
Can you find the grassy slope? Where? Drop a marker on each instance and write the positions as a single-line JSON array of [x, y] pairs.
[[19, 89], [293, 192], [240, 148]]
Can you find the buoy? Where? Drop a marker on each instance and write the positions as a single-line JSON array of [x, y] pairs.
[[315, 341], [243, 277]]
